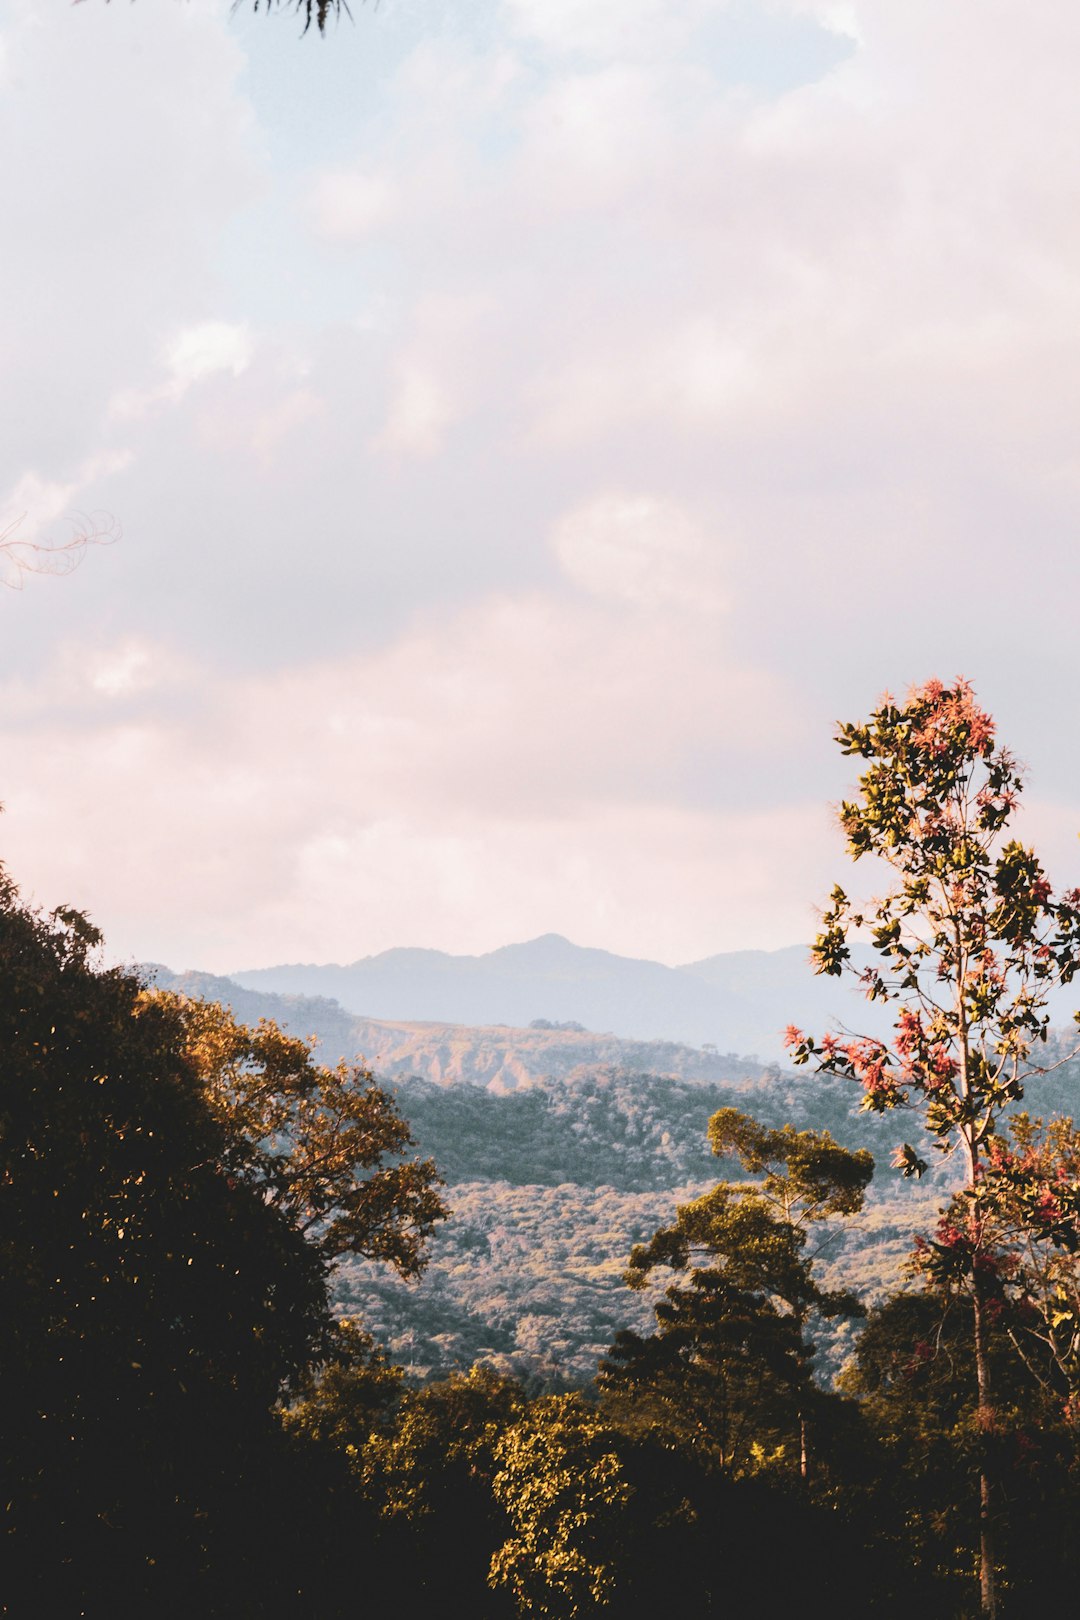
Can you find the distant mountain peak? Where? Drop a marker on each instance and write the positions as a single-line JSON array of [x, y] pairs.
[[740, 1001]]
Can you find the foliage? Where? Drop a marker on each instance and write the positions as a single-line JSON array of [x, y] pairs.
[[564, 1488], [326, 1144], [526, 1280], [1020, 1242], [970, 939], [727, 1369], [551, 1187], [352, 1395], [606, 1522], [721, 1375], [423, 1462], [968, 943], [923, 1450], [158, 1295], [318, 12]]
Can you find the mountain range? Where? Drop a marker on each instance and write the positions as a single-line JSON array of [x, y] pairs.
[[739, 1002]]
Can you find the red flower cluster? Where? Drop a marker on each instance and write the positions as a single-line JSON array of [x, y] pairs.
[[951, 716], [870, 1067]]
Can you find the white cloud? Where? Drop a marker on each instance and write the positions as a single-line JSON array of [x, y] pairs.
[[125, 669], [42, 512], [606, 28], [420, 410], [637, 549], [211, 346], [349, 205]]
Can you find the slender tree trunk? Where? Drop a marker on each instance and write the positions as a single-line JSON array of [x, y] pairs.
[[988, 1602], [987, 1576], [804, 1437]]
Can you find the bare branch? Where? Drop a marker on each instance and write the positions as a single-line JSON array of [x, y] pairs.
[[21, 557]]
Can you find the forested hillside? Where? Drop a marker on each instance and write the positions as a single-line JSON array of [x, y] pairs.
[[561, 1149]]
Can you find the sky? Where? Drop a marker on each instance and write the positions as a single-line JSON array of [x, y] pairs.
[[531, 425]]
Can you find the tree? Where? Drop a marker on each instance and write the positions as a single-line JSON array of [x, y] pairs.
[[968, 942], [914, 1378], [563, 1485], [603, 1521], [1029, 1249], [159, 1294], [327, 1146], [730, 1361]]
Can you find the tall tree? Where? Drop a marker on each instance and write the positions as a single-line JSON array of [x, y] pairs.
[[328, 1147], [160, 1290], [730, 1360], [968, 942]]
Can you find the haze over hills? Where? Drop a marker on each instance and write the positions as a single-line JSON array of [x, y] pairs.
[[497, 1057], [739, 1001]]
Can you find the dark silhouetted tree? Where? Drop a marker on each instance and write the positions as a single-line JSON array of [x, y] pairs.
[[728, 1368], [160, 1291]]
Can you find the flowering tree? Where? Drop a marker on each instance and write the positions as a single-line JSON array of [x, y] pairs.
[[968, 942], [1030, 1192]]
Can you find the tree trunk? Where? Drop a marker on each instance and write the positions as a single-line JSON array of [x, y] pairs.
[[987, 1576], [988, 1604]]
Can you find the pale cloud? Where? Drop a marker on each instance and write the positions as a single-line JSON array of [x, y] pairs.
[[576, 436], [467, 785], [211, 346], [638, 549], [124, 669], [187, 358], [420, 410], [604, 28], [34, 506], [349, 205]]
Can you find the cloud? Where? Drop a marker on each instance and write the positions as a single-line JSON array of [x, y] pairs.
[[350, 205], [347, 827], [211, 346], [605, 28], [420, 410], [637, 549], [520, 476]]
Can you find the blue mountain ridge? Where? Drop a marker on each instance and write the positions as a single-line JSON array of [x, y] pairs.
[[739, 1001]]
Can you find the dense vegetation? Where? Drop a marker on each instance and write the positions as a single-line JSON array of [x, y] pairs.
[[666, 1350]]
